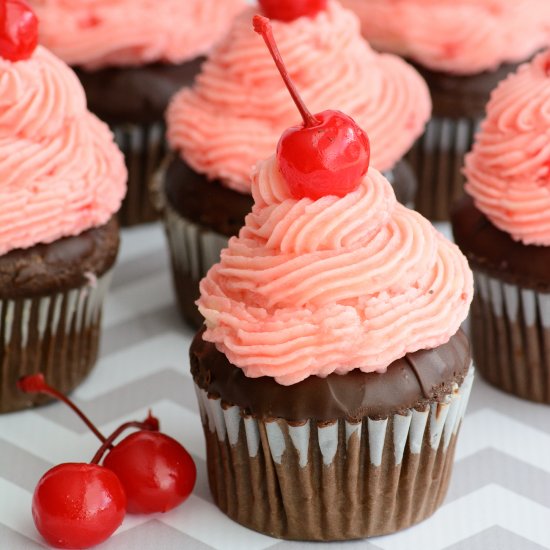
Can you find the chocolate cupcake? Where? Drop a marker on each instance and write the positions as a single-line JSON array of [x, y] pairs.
[[332, 376], [331, 373], [131, 57], [504, 230], [462, 49], [63, 178], [237, 110]]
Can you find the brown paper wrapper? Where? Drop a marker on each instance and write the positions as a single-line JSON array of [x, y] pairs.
[[57, 335], [437, 159], [144, 147], [510, 328], [333, 480]]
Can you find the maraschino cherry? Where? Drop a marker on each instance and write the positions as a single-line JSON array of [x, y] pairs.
[[157, 473], [78, 505], [18, 30], [288, 10], [326, 155]]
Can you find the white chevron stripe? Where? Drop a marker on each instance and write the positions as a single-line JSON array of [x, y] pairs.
[[15, 510], [41, 437], [197, 517], [169, 350], [489, 429], [489, 506], [138, 242], [139, 298]]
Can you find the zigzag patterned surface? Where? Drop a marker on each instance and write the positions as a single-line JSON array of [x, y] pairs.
[[499, 497]]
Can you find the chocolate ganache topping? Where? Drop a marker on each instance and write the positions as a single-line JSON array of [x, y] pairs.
[[413, 381]]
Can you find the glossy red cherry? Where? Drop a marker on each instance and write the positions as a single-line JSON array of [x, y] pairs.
[[157, 473], [78, 505], [288, 10], [326, 155], [18, 30]]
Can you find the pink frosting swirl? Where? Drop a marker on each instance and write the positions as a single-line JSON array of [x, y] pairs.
[[508, 170], [239, 107], [316, 287], [456, 36], [98, 33], [60, 170]]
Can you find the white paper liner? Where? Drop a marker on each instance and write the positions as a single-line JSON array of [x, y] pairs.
[[437, 159], [511, 337]]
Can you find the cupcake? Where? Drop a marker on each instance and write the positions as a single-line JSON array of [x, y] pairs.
[[463, 49], [236, 111], [63, 178], [503, 227], [331, 373], [131, 57]]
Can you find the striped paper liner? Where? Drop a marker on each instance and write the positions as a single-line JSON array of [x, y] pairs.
[[437, 159], [144, 147], [510, 328], [57, 335], [334, 480]]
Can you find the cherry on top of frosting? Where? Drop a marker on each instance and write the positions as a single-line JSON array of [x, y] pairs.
[[326, 155], [18, 30], [288, 10]]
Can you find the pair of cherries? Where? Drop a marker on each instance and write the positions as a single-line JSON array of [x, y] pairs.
[[79, 505]]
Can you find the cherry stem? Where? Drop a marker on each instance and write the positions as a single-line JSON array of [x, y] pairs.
[[35, 383], [150, 424], [262, 26]]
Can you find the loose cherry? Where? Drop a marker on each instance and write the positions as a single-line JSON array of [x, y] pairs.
[[78, 505], [288, 10], [18, 30], [326, 155], [157, 473]]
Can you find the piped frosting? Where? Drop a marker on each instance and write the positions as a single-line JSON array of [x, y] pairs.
[[99, 33], [238, 109], [316, 287], [508, 170], [456, 36], [60, 170]]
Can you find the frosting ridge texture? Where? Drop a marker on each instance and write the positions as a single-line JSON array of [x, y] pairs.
[[462, 37], [238, 108], [316, 287], [99, 33], [60, 170], [508, 169]]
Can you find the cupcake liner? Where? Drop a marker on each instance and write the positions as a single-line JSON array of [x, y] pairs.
[[510, 328], [144, 147], [57, 335], [437, 159], [333, 480], [194, 249]]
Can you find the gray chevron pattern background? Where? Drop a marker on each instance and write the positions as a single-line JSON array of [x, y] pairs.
[[499, 497]]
